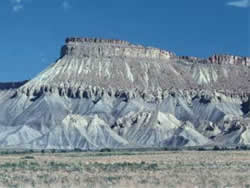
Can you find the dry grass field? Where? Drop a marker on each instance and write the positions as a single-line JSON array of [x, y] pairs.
[[126, 169]]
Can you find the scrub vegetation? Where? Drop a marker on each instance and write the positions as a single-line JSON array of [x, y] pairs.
[[126, 169]]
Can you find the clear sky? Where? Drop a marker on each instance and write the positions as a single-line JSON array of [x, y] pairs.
[[33, 31]]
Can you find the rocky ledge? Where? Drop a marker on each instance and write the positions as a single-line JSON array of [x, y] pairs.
[[96, 47], [96, 40], [96, 93], [229, 59], [222, 59]]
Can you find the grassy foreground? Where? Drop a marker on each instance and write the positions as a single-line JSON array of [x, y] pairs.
[[126, 169]]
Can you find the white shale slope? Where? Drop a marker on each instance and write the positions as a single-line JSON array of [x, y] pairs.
[[113, 94]]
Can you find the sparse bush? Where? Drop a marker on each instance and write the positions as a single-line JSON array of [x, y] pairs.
[[69, 167], [28, 157], [165, 149], [113, 179], [21, 165], [153, 166], [201, 149], [105, 150], [175, 149], [216, 148], [224, 148], [243, 147], [77, 150], [121, 166]]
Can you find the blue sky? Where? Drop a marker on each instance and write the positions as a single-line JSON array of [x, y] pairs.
[[33, 31]]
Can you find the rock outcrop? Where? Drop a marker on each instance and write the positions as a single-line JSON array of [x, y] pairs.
[[110, 93], [94, 47], [219, 60], [229, 59]]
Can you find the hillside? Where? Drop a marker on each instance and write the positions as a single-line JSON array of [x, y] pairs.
[[111, 93]]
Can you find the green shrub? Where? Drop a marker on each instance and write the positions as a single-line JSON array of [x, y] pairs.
[[105, 150], [201, 149], [243, 147], [28, 157], [216, 148], [165, 149], [77, 150], [115, 167]]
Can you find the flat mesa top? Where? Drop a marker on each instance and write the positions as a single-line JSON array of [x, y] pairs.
[[96, 40], [99, 47]]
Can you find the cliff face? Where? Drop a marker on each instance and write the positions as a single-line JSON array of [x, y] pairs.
[[220, 60], [97, 47], [110, 93], [229, 59], [110, 65], [87, 47]]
